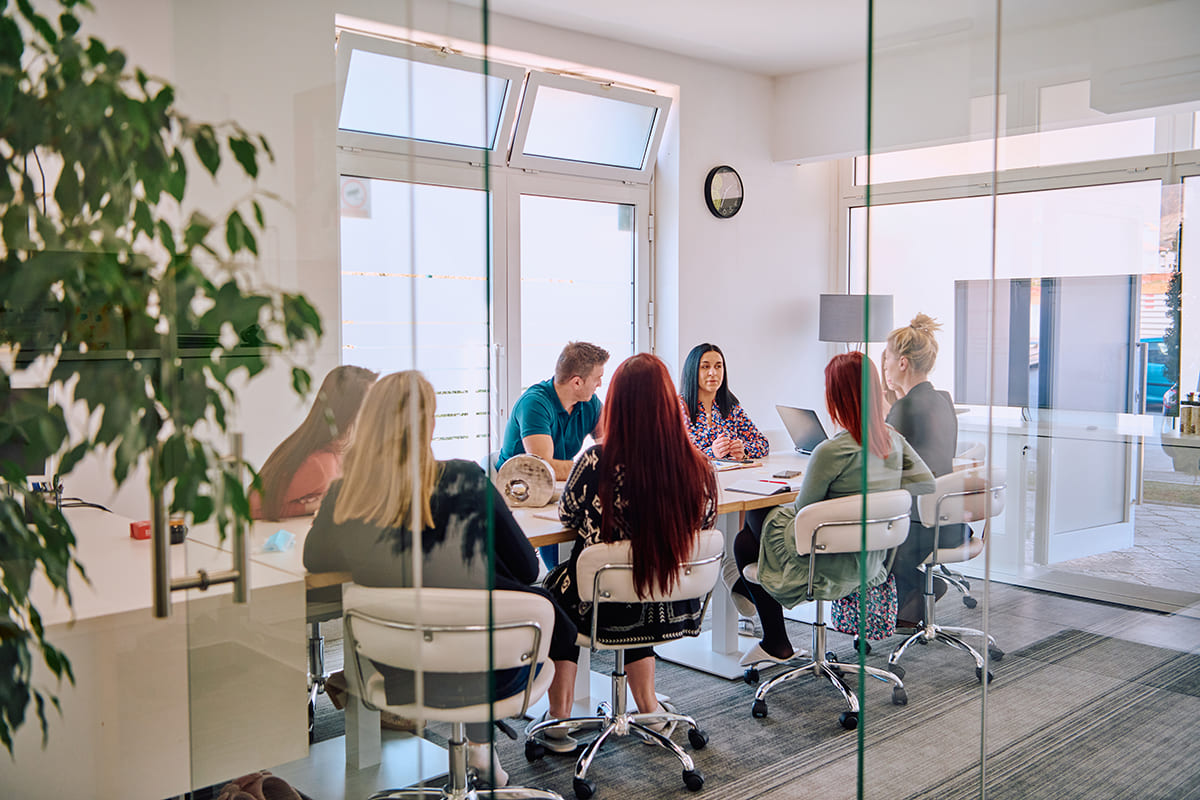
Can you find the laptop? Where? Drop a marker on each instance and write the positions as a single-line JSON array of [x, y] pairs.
[[804, 426]]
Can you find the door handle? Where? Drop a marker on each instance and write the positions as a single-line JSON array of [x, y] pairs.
[[163, 584]]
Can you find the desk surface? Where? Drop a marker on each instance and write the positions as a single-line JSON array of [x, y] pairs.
[[539, 530]]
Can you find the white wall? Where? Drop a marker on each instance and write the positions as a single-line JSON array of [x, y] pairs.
[[1143, 57]]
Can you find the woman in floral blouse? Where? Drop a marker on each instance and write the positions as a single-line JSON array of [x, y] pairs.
[[716, 422]]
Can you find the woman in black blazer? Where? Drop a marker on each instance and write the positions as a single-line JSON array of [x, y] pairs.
[[925, 417]]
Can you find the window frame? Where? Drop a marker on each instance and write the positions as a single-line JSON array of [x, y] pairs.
[[349, 41], [538, 80], [506, 186]]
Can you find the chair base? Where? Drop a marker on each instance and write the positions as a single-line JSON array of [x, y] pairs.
[[317, 675], [930, 631], [823, 665], [612, 719], [959, 582], [461, 782]]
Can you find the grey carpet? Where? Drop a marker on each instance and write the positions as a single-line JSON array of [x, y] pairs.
[[1074, 715]]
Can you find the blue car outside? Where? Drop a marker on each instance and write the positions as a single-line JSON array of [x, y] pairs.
[[1156, 373]]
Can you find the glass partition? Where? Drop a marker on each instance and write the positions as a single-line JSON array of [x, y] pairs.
[[1036, 211]]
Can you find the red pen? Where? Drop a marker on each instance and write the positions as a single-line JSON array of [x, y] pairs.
[[781, 483]]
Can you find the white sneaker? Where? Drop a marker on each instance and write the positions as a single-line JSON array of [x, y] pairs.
[[756, 655], [729, 572], [486, 763]]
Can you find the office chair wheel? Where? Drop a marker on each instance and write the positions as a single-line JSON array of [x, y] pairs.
[[979, 674], [698, 738], [995, 653], [969, 602], [849, 720], [759, 709], [584, 788], [750, 676], [896, 670], [862, 646], [693, 780], [534, 751], [831, 656], [899, 696]]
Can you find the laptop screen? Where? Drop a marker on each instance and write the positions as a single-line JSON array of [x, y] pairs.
[[803, 426]]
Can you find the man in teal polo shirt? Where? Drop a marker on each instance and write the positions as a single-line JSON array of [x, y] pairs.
[[553, 417]]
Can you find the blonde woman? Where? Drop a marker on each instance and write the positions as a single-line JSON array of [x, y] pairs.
[[299, 471], [925, 417], [365, 526]]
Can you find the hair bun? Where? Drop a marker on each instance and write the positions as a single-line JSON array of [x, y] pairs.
[[925, 324]]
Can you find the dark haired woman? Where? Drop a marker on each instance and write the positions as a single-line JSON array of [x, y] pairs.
[[716, 422], [299, 471], [836, 469], [468, 536], [647, 484]]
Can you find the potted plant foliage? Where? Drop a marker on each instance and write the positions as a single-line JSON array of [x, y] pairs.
[[98, 249]]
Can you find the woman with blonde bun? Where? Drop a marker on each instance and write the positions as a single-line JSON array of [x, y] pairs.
[[925, 417]]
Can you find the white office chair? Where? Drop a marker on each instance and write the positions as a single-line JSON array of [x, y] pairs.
[[464, 631], [836, 526], [976, 452], [960, 497], [604, 574]]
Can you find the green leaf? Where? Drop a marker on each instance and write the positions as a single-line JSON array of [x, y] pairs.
[[301, 381], [72, 458], [67, 194], [258, 213], [207, 149], [69, 23], [11, 45], [143, 219], [238, 236], [246, 154], [38, 21], [177, 177]]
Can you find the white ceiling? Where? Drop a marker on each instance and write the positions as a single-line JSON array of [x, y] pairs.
[[769, 37], [783, 37]]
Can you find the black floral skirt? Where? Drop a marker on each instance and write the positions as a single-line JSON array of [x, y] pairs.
[[624, 624]]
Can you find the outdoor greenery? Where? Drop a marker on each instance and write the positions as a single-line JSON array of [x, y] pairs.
[[105, 272]]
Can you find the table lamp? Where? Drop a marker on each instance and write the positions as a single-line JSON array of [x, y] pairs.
[[846, 317]]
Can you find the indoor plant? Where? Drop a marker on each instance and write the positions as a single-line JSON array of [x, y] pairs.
[[98, 250]]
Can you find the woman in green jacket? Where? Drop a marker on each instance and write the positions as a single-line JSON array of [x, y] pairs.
[[834, 470]]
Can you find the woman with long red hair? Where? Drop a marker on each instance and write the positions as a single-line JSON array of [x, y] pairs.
[[866, 446], [647, 484]]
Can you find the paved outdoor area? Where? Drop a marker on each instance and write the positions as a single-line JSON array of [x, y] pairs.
[[1166, 550]]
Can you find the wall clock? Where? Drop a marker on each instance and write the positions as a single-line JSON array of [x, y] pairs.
[[723, 191]]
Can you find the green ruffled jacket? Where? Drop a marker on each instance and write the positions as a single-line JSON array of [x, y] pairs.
[[834, 470]]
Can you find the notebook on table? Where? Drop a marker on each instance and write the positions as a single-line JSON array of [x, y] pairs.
[[804, 426], [761, 486]]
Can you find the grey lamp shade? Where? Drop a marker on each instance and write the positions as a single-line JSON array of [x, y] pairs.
[[842, 317]]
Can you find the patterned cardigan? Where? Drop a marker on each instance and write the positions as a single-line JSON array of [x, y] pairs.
[[627, 623]]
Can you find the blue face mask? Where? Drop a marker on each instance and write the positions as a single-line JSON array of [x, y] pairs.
[[279, 541]]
